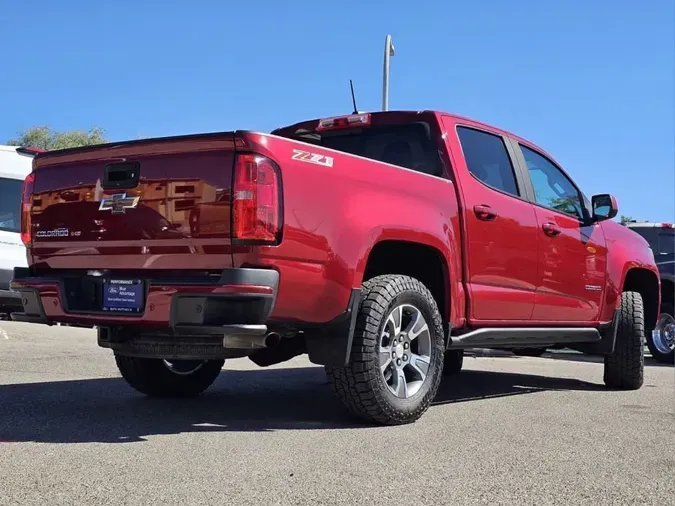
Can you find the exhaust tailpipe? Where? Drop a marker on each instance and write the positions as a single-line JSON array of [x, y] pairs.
[[269, 340]]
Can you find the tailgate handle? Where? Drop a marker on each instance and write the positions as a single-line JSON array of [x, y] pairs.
[[121, 175]]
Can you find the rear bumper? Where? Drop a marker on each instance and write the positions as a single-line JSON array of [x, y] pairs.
[[199, 305]]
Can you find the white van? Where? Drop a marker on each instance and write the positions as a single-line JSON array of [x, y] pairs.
[[15, 165]]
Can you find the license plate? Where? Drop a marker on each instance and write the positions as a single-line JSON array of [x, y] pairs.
[[123, 296]]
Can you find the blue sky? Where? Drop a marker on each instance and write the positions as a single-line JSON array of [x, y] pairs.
[[592, 82]]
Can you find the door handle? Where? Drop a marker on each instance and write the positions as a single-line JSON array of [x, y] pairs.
[[551, 229], [484, 212]]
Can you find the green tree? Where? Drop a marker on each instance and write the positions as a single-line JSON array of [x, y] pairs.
[[44, 137], [625, 219]]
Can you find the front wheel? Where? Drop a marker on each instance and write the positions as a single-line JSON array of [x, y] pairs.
[[396, 361], [168, 378], [661, 342], [625, 367]]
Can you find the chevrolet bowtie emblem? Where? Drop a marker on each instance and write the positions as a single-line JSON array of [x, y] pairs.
[[118, 204]]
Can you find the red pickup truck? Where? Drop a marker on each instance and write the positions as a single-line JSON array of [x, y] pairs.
[[380, 244]]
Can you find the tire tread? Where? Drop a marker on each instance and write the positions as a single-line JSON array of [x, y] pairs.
[[624, 368]]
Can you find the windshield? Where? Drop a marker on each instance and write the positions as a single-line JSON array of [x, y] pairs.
[[408, 145], [10, 205], [661, 240]]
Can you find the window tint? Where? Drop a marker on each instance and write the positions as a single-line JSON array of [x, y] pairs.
[[406, 145], [487, 159], [10, 205], [552, 188]]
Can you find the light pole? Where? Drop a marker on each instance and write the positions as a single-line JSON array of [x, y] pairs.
[[388, 52]]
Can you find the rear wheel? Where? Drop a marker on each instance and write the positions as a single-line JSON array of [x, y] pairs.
[[396, 360], [168, 378], [661, 342], [624, 368]]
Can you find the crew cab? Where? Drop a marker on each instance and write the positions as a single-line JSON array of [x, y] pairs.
[[380, 244]]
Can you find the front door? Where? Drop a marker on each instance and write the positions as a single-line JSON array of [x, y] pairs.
[[572, 254]]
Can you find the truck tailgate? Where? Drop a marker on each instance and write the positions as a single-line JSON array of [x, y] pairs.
[[148, 204]]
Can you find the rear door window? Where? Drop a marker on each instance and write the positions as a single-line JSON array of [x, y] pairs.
[[10, 204], [488, 160]]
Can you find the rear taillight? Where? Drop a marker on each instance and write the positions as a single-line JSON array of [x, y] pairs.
[[26, 204], [256, 200]]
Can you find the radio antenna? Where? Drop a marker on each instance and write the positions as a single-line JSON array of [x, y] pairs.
[[351, 85]]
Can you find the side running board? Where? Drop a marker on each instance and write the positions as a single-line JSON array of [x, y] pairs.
[[523, 336]]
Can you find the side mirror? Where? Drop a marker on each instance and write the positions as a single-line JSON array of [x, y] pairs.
[[604, 207]]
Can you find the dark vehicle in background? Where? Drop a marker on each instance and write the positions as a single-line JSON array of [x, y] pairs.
[[661, 238]]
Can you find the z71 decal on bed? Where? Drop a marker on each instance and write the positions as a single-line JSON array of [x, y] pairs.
[[305, 156]]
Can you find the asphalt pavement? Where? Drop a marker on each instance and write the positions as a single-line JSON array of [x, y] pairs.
[[506, 430]]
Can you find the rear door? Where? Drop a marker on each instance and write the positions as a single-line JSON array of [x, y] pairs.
[[572, 254], [134, 205], [500, 226]]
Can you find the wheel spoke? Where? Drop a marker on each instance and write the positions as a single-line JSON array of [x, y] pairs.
[[395, 319], [400, 384], [385, 358], [420, 364], [417, 326], [416, 317]]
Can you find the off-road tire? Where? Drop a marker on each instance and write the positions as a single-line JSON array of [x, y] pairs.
[[360, 385], [529, 352], [624, 368], [664, 358], [453, 362], [150, 376]]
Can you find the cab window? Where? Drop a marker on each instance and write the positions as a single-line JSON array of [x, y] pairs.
[[488, 160], [552, 188]]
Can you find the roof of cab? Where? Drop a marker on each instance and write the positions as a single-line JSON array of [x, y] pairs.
[[456, 117]]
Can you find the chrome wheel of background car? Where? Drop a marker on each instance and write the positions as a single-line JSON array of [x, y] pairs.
[[405, 351], [663, 335], [183, 367]]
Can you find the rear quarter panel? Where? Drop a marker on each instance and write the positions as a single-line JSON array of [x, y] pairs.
[[625, 250], [335, 212]]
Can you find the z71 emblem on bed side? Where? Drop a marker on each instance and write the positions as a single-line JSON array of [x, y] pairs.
[[304, 156]]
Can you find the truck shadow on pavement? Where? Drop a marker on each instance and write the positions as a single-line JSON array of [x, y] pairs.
[[107, 410], [580, 357]]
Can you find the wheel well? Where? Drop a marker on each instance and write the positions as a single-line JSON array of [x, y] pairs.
[[419, 261], [646, 284]]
